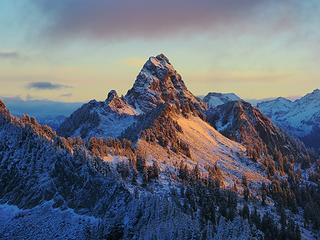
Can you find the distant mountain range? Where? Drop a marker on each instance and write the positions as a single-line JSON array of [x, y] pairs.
[[300, 118], [157, 163], [47, 112], [214, 99], [40, 108]]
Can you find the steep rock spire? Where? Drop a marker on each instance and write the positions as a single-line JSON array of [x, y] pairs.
[[157, 83]]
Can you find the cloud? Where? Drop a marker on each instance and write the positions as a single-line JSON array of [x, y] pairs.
[[66, 95], [9, 55], [109, 19], [46, 86]]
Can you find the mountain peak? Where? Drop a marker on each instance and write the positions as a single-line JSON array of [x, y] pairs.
[[162, 57], [157, 83], [314, 96], [282, 99], [214, 99], [158, 66], [316, 91], [159, 60]]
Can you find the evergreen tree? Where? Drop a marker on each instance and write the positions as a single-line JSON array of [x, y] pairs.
[[245, 211], [195, 174], [255, 218], [268, 228], [263, 194], [183, 171], [246, 192], [154, 171]]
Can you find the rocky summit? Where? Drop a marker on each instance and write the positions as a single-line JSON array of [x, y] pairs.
[[157, 83]]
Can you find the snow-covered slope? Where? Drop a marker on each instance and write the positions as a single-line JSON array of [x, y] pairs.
[[208, 146], [277, 107], [57, 188], [169, 137], [300, 117], [52, 121], [66, 191], [214, 99]]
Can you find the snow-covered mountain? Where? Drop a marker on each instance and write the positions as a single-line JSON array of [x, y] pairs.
[[214, 99], [157, 83], [275, 107], [148, 165], [300, 118], [54, 188], [241, 122], [164, 120], [100, 119]]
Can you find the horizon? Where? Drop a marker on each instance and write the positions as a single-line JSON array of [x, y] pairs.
[[50, 109], [29, 98], [69, 51]]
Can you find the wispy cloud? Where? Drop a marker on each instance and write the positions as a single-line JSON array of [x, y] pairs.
[[46, 86], [66, 95], [9, 55]]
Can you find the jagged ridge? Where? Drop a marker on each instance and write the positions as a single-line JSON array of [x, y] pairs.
[[100, 119], [240, 121]]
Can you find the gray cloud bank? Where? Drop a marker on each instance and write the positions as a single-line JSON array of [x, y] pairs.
[[109, 19]]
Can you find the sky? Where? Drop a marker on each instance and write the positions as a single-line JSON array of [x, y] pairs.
[[77, 50]]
